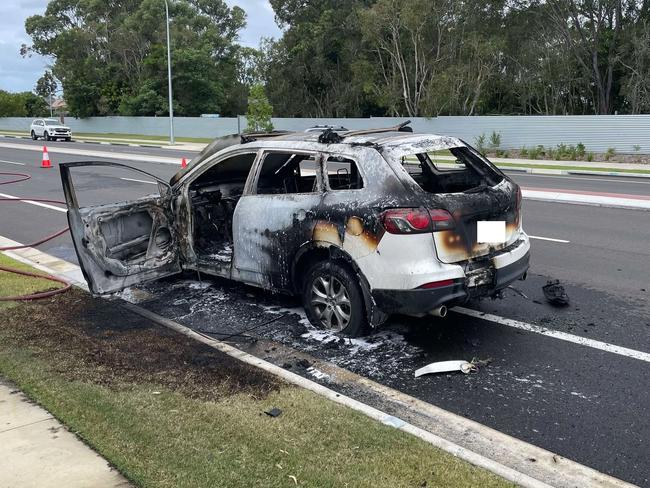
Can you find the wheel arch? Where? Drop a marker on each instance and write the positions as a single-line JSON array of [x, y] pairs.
[[314, 252]]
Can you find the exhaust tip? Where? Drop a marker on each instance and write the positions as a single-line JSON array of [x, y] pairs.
[[441, 311]]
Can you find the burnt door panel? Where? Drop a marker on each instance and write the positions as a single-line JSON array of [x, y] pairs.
[[276, 216], [122, 244], [267, 231]]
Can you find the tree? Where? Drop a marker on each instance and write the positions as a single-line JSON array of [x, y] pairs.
[[46, 85], [111, 56], [12, 105], [258, 116]]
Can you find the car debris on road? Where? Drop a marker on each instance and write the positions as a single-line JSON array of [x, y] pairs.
[[447, 367], [555, 293]]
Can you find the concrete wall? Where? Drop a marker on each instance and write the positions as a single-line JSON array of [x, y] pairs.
[[597, 133]]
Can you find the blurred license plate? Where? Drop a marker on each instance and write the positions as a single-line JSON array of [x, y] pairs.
[[490, 231]]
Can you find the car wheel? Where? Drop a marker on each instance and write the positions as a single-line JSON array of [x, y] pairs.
[[68, 139], [46, 136], [333, 299], [34, 136]]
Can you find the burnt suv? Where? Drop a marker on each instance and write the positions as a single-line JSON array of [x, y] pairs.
[[360, 224]]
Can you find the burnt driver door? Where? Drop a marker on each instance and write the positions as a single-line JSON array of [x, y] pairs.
[[122, 244]]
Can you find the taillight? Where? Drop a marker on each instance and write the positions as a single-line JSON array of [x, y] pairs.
[[416, 220]]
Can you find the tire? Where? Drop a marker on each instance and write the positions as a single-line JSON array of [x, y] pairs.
[[339, 309], [34, 136], [46, 136], [68, 139]]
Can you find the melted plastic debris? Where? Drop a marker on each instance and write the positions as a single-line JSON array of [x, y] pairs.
[[446, 367], [555, 293]]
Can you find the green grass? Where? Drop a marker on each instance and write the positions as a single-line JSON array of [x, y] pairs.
[[167, 413], [12, 284], [168, 440]]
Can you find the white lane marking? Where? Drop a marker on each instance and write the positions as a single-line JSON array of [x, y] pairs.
[[139, 181], [556, 334], [549, 239], [11, 162], [525, 175], [39, 204]]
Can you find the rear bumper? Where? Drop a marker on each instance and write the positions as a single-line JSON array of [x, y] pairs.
[[422, 301]]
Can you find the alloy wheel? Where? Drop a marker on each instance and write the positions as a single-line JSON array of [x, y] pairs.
[[331, 302]]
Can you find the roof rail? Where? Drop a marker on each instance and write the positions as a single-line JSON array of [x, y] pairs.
[[253, 136], [396, 128]]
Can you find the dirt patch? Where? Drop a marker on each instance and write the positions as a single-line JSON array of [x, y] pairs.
[[96, 340]]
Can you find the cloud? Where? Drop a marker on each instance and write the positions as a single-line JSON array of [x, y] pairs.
[[260, 21], [18, 73]]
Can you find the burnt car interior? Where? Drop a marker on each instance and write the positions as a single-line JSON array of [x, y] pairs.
[[127, 236], [343, 174], [449, 171], [213, 197], [286, 173]]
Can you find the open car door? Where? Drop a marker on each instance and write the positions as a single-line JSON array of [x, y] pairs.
[[122, 244]]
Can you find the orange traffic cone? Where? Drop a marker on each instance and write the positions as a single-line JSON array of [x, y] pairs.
[[45, 163], [184, 163]]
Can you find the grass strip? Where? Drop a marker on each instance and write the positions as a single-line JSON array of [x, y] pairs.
[[14, 284], [171, 412]]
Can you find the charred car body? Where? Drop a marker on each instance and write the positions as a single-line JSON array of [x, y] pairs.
[[361, 224]]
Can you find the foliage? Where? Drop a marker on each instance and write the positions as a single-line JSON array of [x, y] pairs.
[[479, 142], [46, 85], [610, 153], [24, 104], [440, 57], [495, 140], [111, 58], [258, 115], [352, 58]]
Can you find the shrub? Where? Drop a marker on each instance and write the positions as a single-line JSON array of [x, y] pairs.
[[611, 152], [523, 152], [495, 140], [480, 144], [533, 152], [590, 156], [637, 148], [580, 150]]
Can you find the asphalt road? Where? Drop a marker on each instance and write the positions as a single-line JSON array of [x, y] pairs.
[[581, 402]]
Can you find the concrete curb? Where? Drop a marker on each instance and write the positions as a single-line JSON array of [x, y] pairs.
[[564, 471], [581, 199]]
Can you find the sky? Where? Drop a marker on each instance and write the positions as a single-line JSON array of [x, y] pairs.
[[20, 74]]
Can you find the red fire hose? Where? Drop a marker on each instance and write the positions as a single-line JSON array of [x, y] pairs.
[[34, 296]]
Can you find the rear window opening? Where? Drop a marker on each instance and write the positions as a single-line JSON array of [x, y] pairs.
[[450, 171], [287, 173]]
